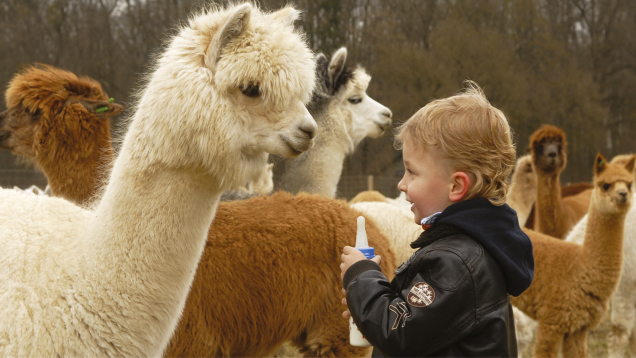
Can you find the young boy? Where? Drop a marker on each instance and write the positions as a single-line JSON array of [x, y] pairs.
[[451, 297]]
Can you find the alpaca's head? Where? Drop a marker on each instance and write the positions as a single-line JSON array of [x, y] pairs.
[[231, 87], [548, 146], [346, 89], [613, 185], [51, 112]]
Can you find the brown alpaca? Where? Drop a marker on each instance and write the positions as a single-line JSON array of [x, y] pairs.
[[554, 215], [573, 284], [259, 285], [61, 122], [281, 280]]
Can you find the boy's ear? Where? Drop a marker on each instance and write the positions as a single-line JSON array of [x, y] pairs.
[[461, 184]]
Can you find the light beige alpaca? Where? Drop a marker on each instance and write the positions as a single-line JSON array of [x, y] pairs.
[[573, 284], [523, 189], [554, 216], [345, 115], [623, 303], [113, 281]]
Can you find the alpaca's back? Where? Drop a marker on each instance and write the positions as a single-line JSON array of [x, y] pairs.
[[38, 254], [270, 272]]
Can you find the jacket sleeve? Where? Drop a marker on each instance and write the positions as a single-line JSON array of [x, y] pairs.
[[431, 311]]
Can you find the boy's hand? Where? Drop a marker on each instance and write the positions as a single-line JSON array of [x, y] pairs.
[[351, 255]]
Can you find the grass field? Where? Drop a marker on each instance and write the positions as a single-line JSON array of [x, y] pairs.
[[596, 342]]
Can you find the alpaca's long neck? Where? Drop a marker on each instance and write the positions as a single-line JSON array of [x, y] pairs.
[[77, 174], [521, 197], [549, 206], [318, 170], [147, 237], [603, 249]]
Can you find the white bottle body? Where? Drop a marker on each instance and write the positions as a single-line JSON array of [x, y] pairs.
[[355, 336]]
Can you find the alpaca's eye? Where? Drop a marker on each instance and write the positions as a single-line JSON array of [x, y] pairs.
[[606, 186], [629, 186], [355, 100], [251, 91]]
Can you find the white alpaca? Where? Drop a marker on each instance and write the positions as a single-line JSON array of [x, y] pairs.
[[401, 202], [230, 88], [623, 303], [523, 190], [345, 115]]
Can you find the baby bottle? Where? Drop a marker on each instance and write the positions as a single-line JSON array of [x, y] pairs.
[[355, 336]]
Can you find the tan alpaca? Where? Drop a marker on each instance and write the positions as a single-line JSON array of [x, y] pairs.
[[523, 189], [112, 281], [293, 295], [554, 216], [370, 196], [51, 114], [573, 284]]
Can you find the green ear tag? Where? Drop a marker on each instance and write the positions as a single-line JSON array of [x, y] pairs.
[[101, 109], [111, 100], [601, 162]]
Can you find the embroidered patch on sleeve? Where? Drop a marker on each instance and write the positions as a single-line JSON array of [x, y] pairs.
[[402, 314], [421, 295]]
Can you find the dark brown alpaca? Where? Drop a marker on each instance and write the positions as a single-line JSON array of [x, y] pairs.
[[61, 122], [554, 215]]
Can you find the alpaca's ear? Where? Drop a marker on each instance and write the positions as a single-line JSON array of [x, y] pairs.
[[630, 164], [599, 164], [288, 15], [322, 62], [336, 65], [101, 109], [233, 27]]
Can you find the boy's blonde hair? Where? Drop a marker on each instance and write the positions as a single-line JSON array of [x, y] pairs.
[[472, 135]]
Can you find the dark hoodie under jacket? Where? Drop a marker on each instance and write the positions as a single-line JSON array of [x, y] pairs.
[[450, 298]]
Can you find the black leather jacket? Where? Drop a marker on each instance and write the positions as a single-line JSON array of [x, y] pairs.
[[448, 300]]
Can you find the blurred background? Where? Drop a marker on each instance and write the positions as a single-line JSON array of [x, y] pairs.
[[570, 63]]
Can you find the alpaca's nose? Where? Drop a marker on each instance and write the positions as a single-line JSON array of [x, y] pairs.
[[552, 154], [622, 196], [308, 129], [387, 113]]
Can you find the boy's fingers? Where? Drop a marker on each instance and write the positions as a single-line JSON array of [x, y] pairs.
[[346, 314], [377, 259], [347, 250], [344, 301]]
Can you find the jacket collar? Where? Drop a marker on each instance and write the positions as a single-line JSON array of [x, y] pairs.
[[434, 233]]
